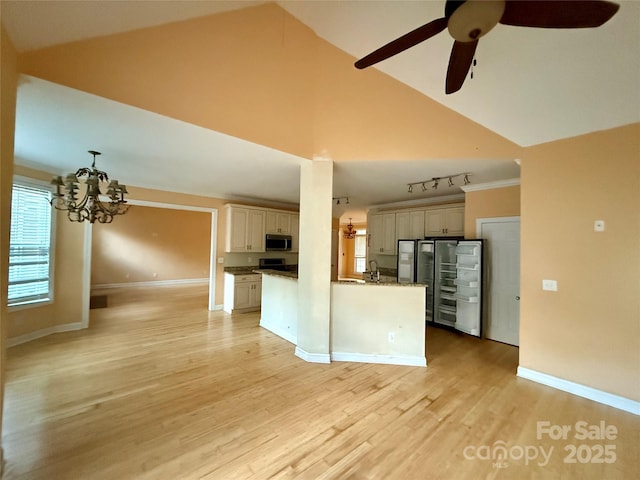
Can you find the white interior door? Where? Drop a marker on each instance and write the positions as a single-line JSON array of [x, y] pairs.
[[502, 267]]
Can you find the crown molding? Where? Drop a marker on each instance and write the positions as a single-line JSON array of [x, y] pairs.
[[456, 198], [510, 182]]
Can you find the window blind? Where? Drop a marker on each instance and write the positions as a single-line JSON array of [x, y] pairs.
[[29, 245]]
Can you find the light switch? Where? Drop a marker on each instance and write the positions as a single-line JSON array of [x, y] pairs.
[[220, 259], [598, 226], [550, 285]]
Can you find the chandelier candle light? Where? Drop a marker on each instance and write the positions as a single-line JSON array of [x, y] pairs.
[[90, 207]]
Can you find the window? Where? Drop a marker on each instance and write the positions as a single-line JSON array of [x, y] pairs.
[[360, 253], [30, 265]]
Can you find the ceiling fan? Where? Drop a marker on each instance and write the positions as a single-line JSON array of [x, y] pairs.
[[469, 20]]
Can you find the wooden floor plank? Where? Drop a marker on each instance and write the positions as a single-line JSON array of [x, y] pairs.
[[160, 388]]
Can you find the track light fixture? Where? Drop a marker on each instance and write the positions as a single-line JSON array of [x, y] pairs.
[[435, 181], [338, 199]]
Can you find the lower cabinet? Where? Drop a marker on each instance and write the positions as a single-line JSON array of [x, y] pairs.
[[242, 293]]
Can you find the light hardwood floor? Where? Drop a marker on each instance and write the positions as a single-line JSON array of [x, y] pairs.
[[159, 388]]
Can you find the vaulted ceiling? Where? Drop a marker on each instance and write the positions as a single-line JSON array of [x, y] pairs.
[[530, 86]]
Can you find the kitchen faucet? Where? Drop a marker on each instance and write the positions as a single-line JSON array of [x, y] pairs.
[[371, 271], [371, 262]]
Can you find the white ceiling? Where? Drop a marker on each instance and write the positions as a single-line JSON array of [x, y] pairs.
[[530, 85]]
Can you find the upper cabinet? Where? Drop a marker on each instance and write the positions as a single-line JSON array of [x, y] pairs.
[[447, 222], [278, 222], [386, 228], [410, 224], [382, 239], [247, 227]]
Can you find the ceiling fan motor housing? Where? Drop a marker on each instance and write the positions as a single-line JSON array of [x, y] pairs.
[[472, 19]]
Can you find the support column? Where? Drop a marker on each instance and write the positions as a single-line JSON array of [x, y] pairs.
[[314, 260]]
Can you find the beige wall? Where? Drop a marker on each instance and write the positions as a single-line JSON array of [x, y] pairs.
[[247, 73], [8, 85], [69, 263], [589, 330], [367, 115], [151, 244], [496, 202], [173, 198]]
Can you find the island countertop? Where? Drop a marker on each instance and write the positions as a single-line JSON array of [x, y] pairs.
[[294, 276]]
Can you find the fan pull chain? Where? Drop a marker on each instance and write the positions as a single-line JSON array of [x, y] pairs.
[[475, 62]]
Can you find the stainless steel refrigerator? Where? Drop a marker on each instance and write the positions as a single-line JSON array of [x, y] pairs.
[[452, 270], [458, 285], [415, 265]]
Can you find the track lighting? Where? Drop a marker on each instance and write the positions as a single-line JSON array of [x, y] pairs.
[[337, 199], [435, 181]]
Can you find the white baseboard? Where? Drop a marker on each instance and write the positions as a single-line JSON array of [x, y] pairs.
[[313, 357], [279, 332], [158, 283], [217, 307], [590, 393], [411, 361], [68, 327]]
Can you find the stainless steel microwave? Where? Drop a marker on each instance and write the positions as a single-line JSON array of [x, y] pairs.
[[277, 243]]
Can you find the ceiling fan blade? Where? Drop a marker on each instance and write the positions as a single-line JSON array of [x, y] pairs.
[[558, 13], [459, 63], [406, 41]]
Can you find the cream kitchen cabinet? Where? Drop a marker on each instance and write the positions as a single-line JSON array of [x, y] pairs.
[[382, 240], [242, 293], [245, 229], [410, 225], [447, 221], [278, 222]]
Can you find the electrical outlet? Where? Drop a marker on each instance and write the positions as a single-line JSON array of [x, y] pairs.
[[392, 337], [550, 285]]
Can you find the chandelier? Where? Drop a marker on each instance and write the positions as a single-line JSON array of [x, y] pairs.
[[89, 207], [350, 232]]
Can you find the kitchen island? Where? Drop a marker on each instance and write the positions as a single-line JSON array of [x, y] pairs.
[[370, 322]]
